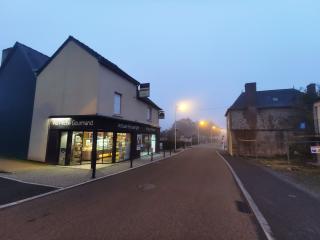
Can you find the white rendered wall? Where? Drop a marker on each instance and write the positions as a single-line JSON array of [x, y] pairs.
[[67, 86], [131, 108]]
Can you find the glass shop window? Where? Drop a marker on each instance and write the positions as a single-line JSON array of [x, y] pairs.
[[104, 147], [123, 146]]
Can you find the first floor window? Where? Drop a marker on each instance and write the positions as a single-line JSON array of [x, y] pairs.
[[117, 104], [149, 113]]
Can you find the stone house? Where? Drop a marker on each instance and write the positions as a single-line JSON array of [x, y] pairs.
[[260, 123]]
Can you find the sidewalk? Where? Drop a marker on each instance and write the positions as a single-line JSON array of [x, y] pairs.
[[65, 176], [292, 213]]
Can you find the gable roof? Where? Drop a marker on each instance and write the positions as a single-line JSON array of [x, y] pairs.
[[35, 58], [279, 98], [104, 62]]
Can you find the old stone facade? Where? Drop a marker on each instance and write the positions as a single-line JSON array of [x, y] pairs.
[[260, 123]]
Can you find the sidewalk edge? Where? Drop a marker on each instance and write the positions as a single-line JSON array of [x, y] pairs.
[[7, 205], [261, 219]]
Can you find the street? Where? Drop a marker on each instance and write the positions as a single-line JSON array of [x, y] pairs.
[[189, 196], [12, 191]]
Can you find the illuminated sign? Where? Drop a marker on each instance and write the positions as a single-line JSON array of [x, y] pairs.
[[66, 122]]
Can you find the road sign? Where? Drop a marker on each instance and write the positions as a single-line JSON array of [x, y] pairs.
[[315, 149]]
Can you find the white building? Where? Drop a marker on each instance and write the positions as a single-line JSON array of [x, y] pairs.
[[86, 107]]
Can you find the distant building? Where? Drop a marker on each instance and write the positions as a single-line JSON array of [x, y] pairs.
[[259, 123], [316, 116], [18, 69]]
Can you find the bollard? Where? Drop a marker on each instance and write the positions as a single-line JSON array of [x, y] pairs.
[[131, 162], [151, 156], [164, 153]]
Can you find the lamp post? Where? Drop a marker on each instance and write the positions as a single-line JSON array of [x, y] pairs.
[[201, 123], [213, 128], [181, 107]]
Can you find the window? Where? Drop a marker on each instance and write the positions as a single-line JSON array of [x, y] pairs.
[[117, 104], [149, 113]]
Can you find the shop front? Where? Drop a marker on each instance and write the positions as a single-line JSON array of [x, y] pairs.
[[75, 140]]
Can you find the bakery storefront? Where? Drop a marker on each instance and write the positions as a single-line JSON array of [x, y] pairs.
[[74, 140]]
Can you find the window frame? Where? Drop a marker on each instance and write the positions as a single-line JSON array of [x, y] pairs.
[[149, 113], [114, 104]]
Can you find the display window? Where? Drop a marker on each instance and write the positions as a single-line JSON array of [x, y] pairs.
[[81, 147], [123, 146], [104, 147]]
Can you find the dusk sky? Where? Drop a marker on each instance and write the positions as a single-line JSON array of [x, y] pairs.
[[200, 51]]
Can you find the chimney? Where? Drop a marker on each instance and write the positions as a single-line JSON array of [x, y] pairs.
[[311, 89], [5, 53], [250, 94]]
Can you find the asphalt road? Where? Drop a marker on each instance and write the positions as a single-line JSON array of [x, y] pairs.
[[11, 191], [189, 196], [292, 213]]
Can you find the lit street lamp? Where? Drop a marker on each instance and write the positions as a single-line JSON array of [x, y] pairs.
[[182, 107], [213, 128], [201, 124]]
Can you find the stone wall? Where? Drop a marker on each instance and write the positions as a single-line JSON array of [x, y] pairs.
[[263, 132]]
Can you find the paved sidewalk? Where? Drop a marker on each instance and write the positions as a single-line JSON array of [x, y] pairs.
[[65, 176], [293, 214]]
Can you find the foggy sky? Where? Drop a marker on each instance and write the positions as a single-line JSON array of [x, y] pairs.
[[201, 51]]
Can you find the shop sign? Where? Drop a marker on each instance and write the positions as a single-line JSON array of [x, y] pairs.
[[68, 122], [144, 90], [128, 126], [315, 149], [161, 114]]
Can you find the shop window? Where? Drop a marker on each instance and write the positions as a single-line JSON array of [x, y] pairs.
[[117, 104], [104, 147], [123, 146], [81, 147]]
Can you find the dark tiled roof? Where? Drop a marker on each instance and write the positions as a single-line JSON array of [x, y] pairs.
[[149, 102], [103, 61], [36, 59], [271, 99]]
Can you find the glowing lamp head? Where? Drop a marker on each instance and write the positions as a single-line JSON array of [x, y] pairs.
[[182, 107], [202, 123]]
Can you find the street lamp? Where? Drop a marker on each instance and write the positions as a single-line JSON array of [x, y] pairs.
[[213, 129], [182, 107], [201, 124]]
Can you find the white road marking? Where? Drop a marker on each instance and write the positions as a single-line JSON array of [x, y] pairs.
[[80, 184], [261, 219]]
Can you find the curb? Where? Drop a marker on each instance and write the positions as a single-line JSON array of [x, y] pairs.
[[80, 184], [261, 219]]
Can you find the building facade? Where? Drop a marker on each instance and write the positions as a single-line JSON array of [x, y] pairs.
[[261, 123], [86, 107], [18, 69]]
